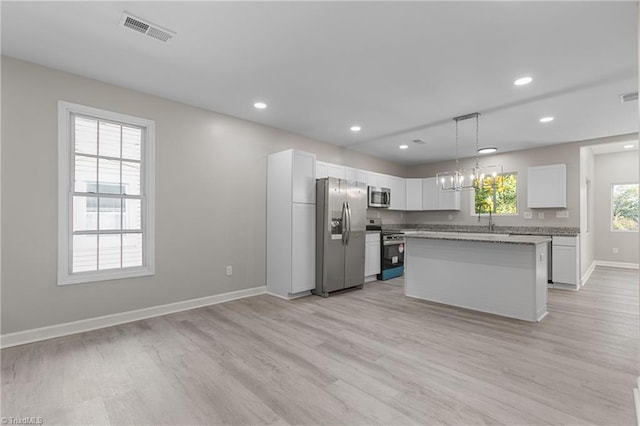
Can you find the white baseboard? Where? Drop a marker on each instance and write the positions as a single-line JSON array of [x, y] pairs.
[[588, 273], [65, 329], [291, 296], [624, 265]]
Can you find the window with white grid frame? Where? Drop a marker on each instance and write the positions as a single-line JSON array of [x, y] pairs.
[[109, 195]]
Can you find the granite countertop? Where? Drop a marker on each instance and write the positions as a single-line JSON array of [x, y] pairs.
[[513, 230], [468, 236]]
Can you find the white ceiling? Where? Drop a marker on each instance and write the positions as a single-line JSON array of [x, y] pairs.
[[401, 70]]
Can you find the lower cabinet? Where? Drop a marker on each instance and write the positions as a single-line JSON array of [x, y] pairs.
[[303, 253], [565, 262], [372, 257]]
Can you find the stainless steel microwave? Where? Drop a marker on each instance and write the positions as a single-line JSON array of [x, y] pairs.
[[378, 197]]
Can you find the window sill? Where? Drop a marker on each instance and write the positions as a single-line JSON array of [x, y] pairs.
[[89, 277]]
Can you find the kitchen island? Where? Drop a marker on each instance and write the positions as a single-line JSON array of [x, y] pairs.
[[496, 273]]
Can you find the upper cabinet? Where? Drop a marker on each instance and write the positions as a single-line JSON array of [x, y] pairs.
[[414, 194], [547, 186], [303, 177], [435, 198], [337, 171], [379, 180], [356, 175], [429, 194], [324, 170], [398, 193], [448, 200]]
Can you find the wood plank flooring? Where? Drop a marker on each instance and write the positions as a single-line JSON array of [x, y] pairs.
[[370, 356]]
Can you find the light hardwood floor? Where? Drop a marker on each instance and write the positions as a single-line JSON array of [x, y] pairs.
[[370, 356]]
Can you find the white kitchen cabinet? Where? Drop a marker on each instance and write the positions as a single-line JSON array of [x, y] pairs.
[[414, 194], [303, 179], [372, 257], [430, 194], [337, 171], [398, 193], [356, 175], [379, 180], [448, 200], [565, 261], [322, 170], [547, 186], [303, 253], [374, 179], [291, 223]]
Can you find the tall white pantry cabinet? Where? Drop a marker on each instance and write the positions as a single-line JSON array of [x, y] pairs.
[[291, 224]]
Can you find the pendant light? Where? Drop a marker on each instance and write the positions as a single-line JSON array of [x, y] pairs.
[[465, 179]]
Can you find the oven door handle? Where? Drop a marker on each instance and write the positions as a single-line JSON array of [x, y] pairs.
[[392, 243]]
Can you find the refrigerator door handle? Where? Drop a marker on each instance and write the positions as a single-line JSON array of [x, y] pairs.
[[348, 222], [344, 222]]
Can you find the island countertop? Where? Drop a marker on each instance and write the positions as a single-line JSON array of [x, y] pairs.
[[488, 237]]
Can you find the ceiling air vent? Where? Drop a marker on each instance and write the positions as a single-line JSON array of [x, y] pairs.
[[419, 142], [629, 97], [145, 27]]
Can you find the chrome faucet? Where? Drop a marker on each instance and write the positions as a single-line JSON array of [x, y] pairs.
[[492, 224]]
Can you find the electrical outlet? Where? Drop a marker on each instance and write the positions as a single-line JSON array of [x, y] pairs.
[[562, 214], [540, 215], [615, 250], [229, 271], [450, 216], [528, 215]]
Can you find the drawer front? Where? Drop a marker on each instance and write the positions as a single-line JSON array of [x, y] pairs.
[[565, 241], [373, 238]]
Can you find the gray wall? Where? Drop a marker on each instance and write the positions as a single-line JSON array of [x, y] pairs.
[[211, 205], [621, 167]]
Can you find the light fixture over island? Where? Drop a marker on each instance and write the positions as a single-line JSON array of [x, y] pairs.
[[495, 273]]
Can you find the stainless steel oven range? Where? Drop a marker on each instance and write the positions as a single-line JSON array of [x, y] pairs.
[[392, 255]]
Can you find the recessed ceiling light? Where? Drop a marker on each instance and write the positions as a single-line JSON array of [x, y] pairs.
[[260, 105], [356, 128], [522, 81], [487, 150], [629, 146], [403, 146], [546, 119]]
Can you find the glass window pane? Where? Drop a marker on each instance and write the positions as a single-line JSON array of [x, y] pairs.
[[86, 135], [109, 142], [85, 173], [131, 178], [85, 253], [624, 208], [131, 142], [499, 196], [85, 213], [109, 176], [109, 251], [132, 214], [131, 250], [110, 213]]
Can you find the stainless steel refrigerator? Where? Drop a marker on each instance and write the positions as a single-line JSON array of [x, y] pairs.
[[340, 235]]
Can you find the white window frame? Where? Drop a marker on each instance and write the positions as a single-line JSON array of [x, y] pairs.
[[611, 208], [66, 188]]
